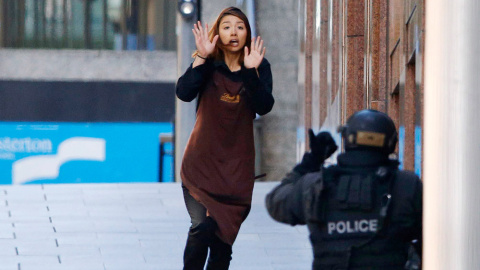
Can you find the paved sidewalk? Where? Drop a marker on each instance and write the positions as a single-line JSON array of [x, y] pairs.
[[128, 227]]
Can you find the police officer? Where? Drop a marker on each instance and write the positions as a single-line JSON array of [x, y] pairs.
[[362, 213]]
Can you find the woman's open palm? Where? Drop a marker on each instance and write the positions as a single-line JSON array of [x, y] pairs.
[[204, 46], [255, 56]]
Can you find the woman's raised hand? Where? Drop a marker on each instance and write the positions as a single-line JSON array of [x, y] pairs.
[[255, 56], [204, 46]]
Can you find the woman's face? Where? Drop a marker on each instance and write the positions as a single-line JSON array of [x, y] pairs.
[[233, 33]]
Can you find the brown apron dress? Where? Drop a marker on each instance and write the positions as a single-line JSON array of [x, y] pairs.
[[218, 164]]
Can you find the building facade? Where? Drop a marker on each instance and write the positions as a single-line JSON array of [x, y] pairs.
[[79, 24], [357, 54], [86, 90]]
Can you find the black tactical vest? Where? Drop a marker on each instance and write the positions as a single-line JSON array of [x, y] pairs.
[[348, 220]]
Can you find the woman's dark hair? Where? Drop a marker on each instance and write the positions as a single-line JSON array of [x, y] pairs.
[[214, 30]]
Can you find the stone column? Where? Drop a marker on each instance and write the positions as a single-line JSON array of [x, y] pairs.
[[452, 150]]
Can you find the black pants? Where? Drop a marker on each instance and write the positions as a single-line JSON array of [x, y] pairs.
[[201, 237]]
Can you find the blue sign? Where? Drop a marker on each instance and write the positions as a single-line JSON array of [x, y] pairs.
[[401, 146], [34, 152], [418, 151]]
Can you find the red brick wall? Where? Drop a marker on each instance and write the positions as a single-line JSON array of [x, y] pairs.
[[370, 53]]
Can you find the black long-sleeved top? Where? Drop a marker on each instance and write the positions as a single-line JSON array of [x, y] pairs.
[[258, 88]]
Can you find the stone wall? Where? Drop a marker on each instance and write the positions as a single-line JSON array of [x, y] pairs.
[[277, 24]]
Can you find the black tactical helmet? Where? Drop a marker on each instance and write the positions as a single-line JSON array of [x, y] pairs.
[[369, 130]]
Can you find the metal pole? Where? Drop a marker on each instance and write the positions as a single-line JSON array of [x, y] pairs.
[[163, 139], [105, 23], [308, 68], [53, 25], [161, 159], [21, 24], [185, 111], [44, 23], [249, 6], [64, 24], [452, 150], [87, 29], [2, 24]]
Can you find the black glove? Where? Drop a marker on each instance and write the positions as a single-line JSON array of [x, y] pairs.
[[322, 147]]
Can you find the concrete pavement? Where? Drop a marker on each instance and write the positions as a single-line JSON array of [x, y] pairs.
[[128, 226]]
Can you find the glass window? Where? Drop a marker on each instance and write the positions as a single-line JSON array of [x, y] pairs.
[[89, 24]]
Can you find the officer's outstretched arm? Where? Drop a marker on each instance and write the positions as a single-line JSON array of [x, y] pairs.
[[286, 202]]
